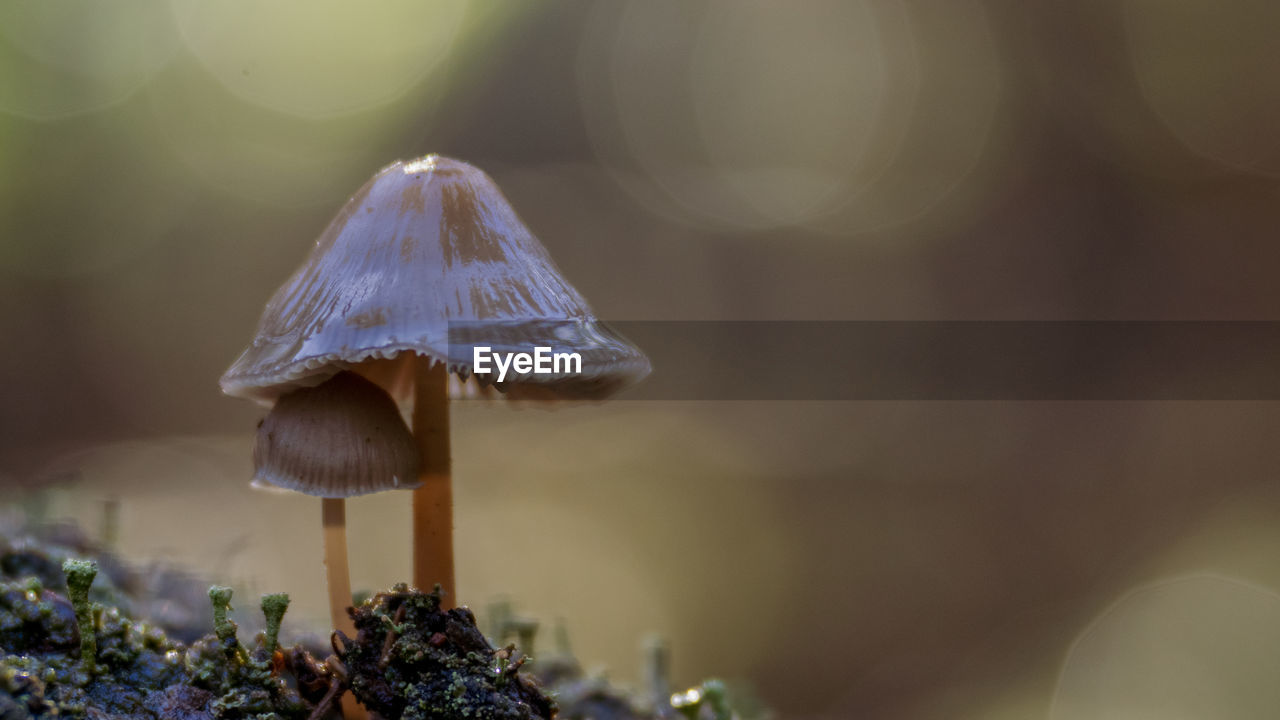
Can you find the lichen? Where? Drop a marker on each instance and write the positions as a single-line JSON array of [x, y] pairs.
[[80, 575], [61, 665], [71, 645], [274, 606], [66, 657]]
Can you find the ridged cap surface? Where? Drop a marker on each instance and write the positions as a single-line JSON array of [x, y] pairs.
[[428, 258], [341, 438]]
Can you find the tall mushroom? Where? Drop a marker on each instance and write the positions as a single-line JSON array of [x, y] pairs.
[[424, 265]]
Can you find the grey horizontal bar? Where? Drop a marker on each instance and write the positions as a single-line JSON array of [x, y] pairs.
[[928, 360]]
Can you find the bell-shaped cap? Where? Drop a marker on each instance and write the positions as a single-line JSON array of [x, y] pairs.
[[430, 259], [341, 438]]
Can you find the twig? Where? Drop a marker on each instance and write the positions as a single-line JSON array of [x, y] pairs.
[[335, 686], [392, 634]]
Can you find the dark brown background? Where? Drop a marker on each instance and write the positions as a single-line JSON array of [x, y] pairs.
[[164, 166]]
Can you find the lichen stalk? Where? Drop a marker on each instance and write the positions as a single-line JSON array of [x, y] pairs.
[[274, 606], [717, 697], [80, 575], [224, 627]]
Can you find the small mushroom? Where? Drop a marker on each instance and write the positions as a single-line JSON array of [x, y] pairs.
[[342, 438], [423, 265]]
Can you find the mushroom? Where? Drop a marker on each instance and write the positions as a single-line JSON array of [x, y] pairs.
[[425, 269], [342, 438]]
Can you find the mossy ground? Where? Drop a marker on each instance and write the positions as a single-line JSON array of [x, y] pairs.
[[132, 670], [412, 660], [409, 660]]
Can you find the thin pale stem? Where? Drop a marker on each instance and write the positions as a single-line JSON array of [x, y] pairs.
[[333, 512], [334, 515], [433, 500]]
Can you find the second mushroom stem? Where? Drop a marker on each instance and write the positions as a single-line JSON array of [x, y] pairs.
[[334, 516], [333, 513], [433, 500]]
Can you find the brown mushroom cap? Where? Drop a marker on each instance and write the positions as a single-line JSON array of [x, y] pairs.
[[341, 438], [428, 259]]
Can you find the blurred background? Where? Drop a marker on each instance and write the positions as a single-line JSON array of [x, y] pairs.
[[165, 165]]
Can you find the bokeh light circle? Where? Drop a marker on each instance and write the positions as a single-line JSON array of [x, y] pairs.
[[744, 115], [750, 116], [60, 57], [1210, 74], [1193, 647], [950, 154], [754, 73], [321, 58], [259, 153]]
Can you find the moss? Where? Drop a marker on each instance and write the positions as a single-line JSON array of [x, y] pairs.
[[412, 660], [47, 681], [66, 657], [242, 686]]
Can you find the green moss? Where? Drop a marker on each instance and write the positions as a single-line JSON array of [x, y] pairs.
[[410, 659], [432, 664], [42, 672], [137, 671]]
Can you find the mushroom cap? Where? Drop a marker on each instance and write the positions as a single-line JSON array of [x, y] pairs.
[[341, 438], [429, 259]]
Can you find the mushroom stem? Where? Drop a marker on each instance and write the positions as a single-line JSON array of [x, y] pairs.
[[333, 512], [433, 500], [334, 515]]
